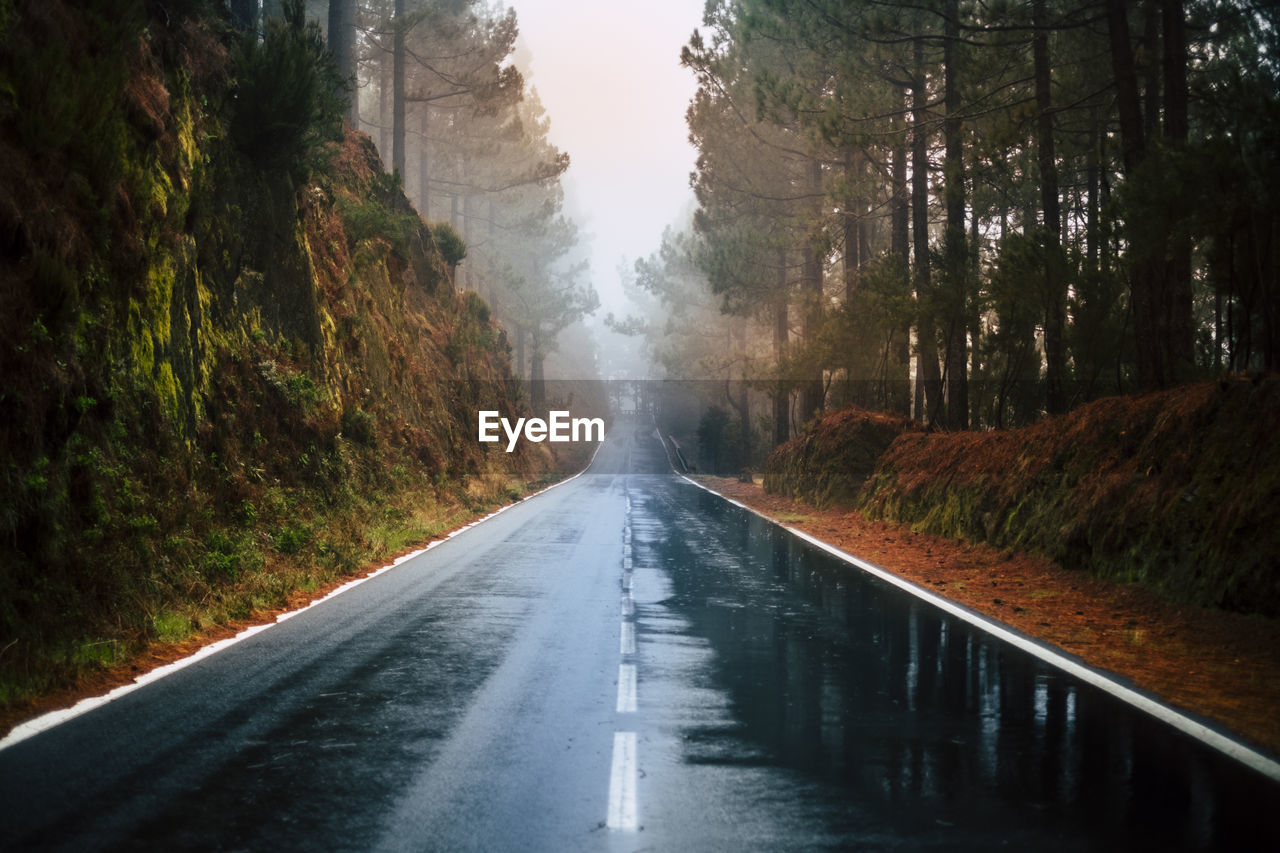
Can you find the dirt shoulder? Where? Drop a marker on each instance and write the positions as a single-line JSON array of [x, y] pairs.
[[1218, 665]]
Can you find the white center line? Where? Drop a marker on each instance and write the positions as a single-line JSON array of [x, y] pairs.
[[622, 782], [622, 776], [626, 688]]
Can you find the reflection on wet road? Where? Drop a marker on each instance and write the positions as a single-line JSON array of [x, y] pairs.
[[862, 716], [625, 662]]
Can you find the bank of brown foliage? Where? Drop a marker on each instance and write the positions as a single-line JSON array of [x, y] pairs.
[[828, 464], [1175, 489]]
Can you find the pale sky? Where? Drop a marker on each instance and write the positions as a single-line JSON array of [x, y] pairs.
[[609, 75]]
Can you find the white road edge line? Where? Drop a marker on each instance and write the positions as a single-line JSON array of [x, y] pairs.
[[1225, 744], [622, 782], [44, 722], [627, 639], [626, 688]]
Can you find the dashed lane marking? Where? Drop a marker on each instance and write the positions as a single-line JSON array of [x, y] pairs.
[[626, 688], [622, 782]]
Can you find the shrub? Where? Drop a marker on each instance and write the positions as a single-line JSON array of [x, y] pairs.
[[291, 540], [288, 94], [366, 220], [450, 243], [358, 425]]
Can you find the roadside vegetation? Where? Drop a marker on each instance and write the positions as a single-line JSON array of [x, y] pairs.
[[1175, 490], [972, 215], [234, 362]]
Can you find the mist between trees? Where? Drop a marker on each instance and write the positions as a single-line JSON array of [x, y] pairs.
[[975, 213], [436, 85]]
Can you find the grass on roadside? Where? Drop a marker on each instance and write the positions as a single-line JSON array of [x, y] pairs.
[[281, 553]]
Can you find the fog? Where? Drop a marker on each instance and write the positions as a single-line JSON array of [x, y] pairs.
[[609, 75]]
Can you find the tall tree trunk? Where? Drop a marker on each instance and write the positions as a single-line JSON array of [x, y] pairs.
[[399, 25], [974, 318], [852, 221], [342, 44], [1151, 67], [866, 225], [384, 107], [537, 381], [519, 366], [1217, 329], [271, 9], [781, 333], [741, 400], [466, 237], [491, 290], [1092, 175], [900, 242], [244, 15], [928, 376], [1104, 200], [855, 250], [1177, 278], [1144, 281], [1132, 139], [465, 229], [900, 230], [955, 244], [424, 164], [811, 391], [1055, 280]]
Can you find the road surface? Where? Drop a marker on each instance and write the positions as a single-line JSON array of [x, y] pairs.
[[624, 662]]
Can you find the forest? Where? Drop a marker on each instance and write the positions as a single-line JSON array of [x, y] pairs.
[[973, 214], [437, 85]]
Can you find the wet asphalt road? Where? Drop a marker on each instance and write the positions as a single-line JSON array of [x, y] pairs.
[[625, 662]]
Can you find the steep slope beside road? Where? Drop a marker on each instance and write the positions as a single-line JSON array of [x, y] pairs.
[[234, 366]]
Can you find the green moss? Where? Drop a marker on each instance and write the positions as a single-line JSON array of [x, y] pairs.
[[98, 653], [170, 627]]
